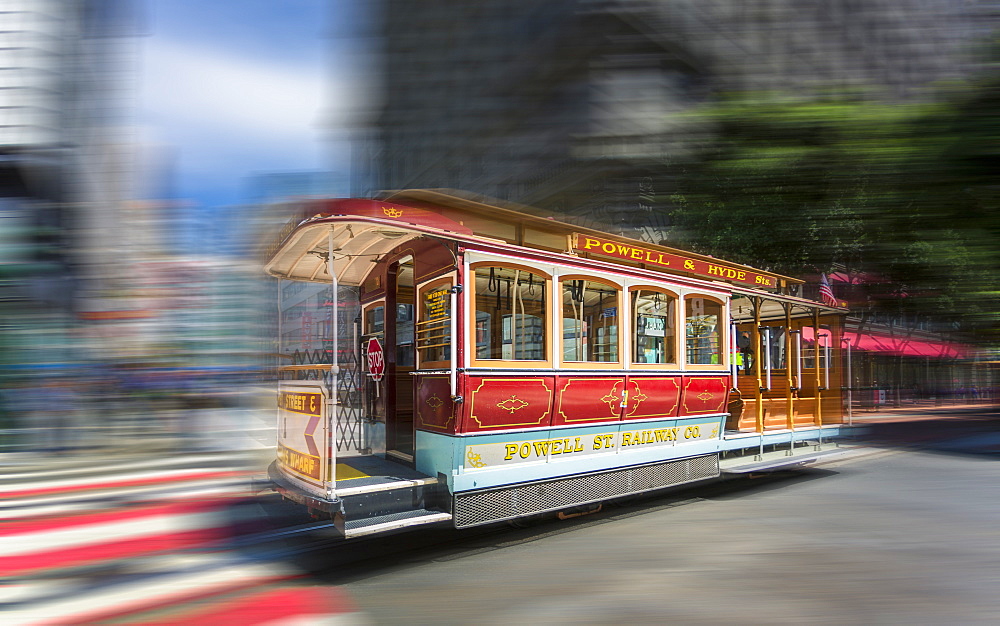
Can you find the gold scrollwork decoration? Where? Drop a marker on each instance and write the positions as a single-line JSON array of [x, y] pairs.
[[513, 403], [434, 402], [474, 459]]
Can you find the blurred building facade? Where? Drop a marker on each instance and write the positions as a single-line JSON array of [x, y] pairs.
[[576, 106], [64, 166]]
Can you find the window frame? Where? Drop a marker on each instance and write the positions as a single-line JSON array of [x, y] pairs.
[[470, 316], [722, 330], [448, 280], [622, 323], [679, 329], [368, 308]]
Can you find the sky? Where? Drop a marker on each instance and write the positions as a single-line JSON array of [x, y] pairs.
[[231, 88]]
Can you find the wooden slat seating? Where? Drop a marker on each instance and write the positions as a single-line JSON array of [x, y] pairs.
[[776, 405]]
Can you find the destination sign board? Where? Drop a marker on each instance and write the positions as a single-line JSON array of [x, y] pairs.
[[676, 262]]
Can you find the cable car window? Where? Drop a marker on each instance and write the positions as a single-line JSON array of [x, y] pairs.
[[655, 336], [375, 321], [703, 318], [590, 321], [434, 323], [510, 314]]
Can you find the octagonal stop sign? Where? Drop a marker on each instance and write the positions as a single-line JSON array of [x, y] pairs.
[[376, 360]]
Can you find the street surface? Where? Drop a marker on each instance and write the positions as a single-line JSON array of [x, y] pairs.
[[141, 541], [906, 535]]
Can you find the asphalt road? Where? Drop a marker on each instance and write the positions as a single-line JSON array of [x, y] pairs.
[[907, 535]]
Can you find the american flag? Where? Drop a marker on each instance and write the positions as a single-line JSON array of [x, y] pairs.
[[826, 291]]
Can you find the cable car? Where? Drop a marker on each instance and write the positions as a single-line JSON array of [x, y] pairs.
[[482, 363]]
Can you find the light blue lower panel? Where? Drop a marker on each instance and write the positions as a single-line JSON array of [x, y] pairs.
[[491, 460], [438, 454]]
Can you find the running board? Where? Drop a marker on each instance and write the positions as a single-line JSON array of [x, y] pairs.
[[788, 462], [393, 521]]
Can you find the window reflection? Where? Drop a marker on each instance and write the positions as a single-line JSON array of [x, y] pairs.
[[590, 321], [702, 331], [654, 337], [510, 314]]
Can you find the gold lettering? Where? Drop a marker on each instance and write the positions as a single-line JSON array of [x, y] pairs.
[[511, 449], [626, 439], [590, 243], [609, 248], [598, 442], [579, 445], [557, 447], [636, 253], [525, 450]]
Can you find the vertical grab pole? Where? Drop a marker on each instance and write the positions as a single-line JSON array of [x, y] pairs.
[[798, 360], [453, 341], [758, 390], [828, 349], [819, 388], [332, 419], [767, 357], [733, 348], [789, 402], [850, 388]]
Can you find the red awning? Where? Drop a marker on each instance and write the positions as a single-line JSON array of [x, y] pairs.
[[876, 342]]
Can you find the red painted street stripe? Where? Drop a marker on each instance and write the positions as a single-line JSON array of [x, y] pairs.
[[177, 507], [109, 550], [215, 591], [138, 482], [266, 606]]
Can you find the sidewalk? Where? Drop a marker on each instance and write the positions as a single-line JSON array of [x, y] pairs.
[[919, 411]]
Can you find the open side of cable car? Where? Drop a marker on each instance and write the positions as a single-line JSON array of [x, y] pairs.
[[487, 364]]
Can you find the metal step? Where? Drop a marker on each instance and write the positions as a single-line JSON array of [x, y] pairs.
[[393, 521]]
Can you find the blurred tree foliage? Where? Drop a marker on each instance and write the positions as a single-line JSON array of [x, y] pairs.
[[908, 191]]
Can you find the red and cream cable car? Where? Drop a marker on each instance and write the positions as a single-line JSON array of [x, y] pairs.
[[493, 364]]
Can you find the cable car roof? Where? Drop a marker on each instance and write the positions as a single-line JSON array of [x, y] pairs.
[[361, 231]]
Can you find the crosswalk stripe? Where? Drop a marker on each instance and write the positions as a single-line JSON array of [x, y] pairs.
[[143, 594], [136, 480]]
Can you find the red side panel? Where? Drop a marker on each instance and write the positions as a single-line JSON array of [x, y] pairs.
[[434, 409], [508, 402], [704, 394], [650, 397], [588, 399]]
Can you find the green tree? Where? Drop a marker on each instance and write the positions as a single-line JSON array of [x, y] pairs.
[[908, 191]]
